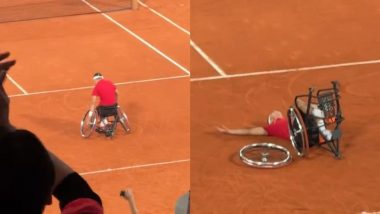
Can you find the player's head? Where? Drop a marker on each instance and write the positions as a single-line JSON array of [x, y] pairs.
[[27, 173], [97, 76], [274, 116]]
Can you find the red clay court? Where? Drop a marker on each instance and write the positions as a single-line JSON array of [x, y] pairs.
[[260, 55], [147, 57]]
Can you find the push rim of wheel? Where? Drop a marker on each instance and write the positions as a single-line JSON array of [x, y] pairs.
[[87, 125], [265, 155], [297, 132], [123, 118]]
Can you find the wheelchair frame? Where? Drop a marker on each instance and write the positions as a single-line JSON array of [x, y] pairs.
[[119, 117], [305, 133]]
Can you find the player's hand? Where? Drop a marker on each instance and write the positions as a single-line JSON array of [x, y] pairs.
[[222, 129], [5, 65], [90, 113], [127, 194]]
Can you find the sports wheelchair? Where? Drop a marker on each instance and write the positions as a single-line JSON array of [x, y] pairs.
[[307, 129], [114, 115]]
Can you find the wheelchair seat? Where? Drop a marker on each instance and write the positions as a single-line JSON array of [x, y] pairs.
[[107, 111], [91, 120]]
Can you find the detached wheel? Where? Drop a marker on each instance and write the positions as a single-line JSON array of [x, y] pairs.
[[265, 155]]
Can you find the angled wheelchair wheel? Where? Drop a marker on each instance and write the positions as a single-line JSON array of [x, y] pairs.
[[123, 119], [88, 123], [298, 132], [265, 155]]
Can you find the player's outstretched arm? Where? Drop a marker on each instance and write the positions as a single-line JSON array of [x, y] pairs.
[[246, 131]]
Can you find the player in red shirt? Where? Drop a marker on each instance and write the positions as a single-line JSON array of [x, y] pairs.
[[278, 125], [107, 92]]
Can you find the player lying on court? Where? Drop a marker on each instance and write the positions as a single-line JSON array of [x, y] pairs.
[[278, 125], [31, 175], [107, 93]]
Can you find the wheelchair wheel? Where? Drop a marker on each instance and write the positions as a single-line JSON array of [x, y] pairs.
[[265, 155], [123, 119], [298, 132], [88, 123]]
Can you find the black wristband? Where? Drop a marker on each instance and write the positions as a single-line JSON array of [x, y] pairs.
[[74, 187]]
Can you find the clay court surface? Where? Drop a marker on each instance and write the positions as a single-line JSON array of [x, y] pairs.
[[252, 42], [56, 59]]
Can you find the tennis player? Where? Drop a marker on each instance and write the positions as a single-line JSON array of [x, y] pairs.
[[107, 93], [278, 125]]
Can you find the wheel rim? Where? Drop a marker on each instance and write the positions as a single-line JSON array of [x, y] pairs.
[[88, 124], [297, 132], [265, 155], [123, 118]]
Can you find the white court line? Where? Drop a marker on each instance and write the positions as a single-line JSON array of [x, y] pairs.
[[134, 167], [165, 18], [17, 85], [192, 43], [137, 37], [208, 59], [89, 87], [287, 70]]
